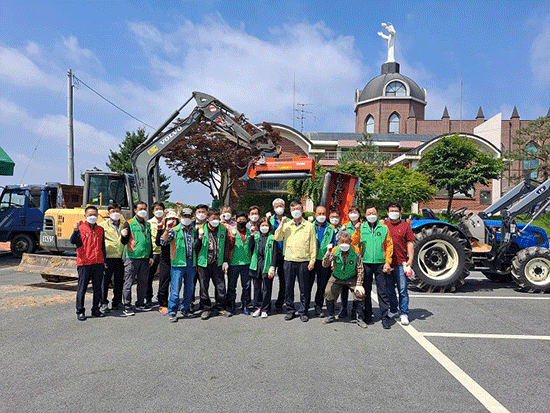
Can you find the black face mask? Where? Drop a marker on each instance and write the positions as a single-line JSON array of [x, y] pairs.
[[241, 224]]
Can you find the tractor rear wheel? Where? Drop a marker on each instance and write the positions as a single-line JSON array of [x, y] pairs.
[[531, 269], [442, 259]]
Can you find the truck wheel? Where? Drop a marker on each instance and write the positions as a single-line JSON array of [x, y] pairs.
[[442, 259], [22, 243], [531, 269]]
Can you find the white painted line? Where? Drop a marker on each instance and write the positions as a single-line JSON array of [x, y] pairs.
[[490, 403], [6, 269], [479, 297], [505, 336]]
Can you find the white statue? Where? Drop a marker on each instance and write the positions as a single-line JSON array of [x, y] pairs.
[[390, 37]]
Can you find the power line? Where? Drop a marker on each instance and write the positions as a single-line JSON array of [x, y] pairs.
[[108, 101]]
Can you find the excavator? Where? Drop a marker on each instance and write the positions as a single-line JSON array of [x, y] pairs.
[[102, 188]]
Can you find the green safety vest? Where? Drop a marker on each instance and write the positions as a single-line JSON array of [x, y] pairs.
[[268, 252], [139, 245], [327, 239], [202, 260], [241, 252], [345, 270], [178, 251], [372, 241]]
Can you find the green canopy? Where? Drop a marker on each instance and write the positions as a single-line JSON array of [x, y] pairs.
[[6, 164]]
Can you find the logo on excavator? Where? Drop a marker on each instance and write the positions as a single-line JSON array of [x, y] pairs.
[[212, 108], [152, 150], [541, 189], [168, 137]]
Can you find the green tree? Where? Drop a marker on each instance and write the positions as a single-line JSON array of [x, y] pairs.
[[299, 188], [532, 143], [120, 161], [366, 152], [403, 185], [455, 164], [367, 173]]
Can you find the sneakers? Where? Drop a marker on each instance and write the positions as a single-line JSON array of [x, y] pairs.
[[289, 316], [304, 318], [264, 314], [226, 313], [147, 307], [104, 308], [97, 313], [361, 323], [329, 319], [118, 306], [318, 311], [257, 312], [386, 324], [128, 312], [246, 311], [143, 307], [173, 318], [163, 310], [343, 314], [205, 315], [404, 320], [392, 315], [81, 317]]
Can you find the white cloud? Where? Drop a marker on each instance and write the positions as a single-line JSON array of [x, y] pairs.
[[540, 54], [76, 54], [20, 70]]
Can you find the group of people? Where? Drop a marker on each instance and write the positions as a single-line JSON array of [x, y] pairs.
[[337, 254]]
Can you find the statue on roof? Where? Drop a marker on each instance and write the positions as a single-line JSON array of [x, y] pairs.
[[390, 38]]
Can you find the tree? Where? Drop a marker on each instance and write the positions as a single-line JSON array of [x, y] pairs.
[[367, 173], [120, 161], [532, 143], [455, 164], [403, 185], [365, 152], [300, 188]]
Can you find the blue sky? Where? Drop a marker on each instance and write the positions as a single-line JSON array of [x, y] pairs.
[[148, 56]]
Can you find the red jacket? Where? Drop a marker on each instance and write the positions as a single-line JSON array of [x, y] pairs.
[[90, 249]]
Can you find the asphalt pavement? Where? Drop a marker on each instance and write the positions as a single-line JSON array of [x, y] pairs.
[[484, 348]]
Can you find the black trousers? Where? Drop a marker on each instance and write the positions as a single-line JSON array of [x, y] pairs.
[[376, 271], [322, 275], [164, 283], [86, 273], [267, 289], [212, 272], [152, 271], [344, 298], [293, 271], [280, 268], [233, 274], [114, 269], [257, 282]]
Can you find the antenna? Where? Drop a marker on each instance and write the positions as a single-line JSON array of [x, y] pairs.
[[461, 89], [301, 114], [294, 101]]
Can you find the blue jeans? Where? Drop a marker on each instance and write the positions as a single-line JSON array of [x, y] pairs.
[[398, 277], [179, 276]]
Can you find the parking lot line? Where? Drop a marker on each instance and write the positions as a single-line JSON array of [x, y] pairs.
[[504, 336], [478, 297]]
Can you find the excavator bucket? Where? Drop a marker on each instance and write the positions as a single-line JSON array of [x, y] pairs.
[[339, 192], [274, 168], [50, 267]]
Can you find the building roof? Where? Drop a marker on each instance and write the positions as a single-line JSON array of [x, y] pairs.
[[375, 88], [377, 137]]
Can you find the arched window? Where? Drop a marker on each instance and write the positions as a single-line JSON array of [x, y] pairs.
[[369, 124], [531, 164], [396, 89], [393, 123]]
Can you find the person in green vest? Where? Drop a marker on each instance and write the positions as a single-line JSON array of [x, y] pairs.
[[239, 263], [136, 236], [326, 234], [263, 250], [377, 251], [347, 272], [212, 249], [354, 216]]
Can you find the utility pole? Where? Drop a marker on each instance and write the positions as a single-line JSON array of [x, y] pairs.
[[70, 131]]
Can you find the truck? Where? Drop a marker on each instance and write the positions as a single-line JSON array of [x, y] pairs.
[[22, 209]]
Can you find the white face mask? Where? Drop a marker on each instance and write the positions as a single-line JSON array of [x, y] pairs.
[[158, 213], [254, 218], [321, 218], [142, 214], [353, 216], [115, 216], [344, 247], [92, 219], [227, 216], [214, 223], [334, 221], [372, 218], [186, 221], [393, 215], [201, 216], [296, 214], [279, 211], [264, 229]]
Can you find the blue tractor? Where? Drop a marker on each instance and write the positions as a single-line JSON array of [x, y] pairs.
[[502, 250]]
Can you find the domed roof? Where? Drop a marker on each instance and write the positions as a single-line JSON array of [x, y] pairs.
[[375, 88]]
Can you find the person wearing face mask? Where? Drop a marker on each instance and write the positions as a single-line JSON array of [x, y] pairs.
[[300, 252], [263, 250], [377, 247], [180, 239], [170, 221], [114, 266], [354, 215], [212, 249], [403, 252], [239, 263], [227, 222], [326, 234], [253, 219], [201, 211], [347, 272], [136, 236], [90, 260], [275, 221], [154, 222]]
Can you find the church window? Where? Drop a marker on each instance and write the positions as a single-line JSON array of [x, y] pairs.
[[396, 89], [393, 123], [531, 164], [369, 124]]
